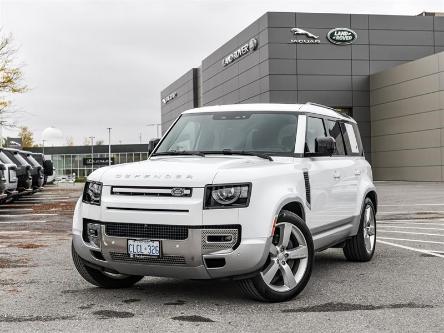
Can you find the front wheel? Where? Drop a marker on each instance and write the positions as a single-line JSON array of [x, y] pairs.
[[362, 246], [102, 279], [289, 263]]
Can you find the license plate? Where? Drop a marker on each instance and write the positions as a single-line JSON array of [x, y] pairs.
[[144, 247]]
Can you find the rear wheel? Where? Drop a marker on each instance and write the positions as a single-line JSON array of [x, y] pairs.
[[362, 246], [102, 279], [289, 263]]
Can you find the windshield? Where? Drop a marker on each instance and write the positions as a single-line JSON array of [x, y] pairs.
[[272, 133]]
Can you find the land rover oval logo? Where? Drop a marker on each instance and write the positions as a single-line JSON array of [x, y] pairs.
[[341, 36], [177, 191]]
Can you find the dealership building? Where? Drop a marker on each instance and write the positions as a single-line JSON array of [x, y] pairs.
[[82, 160], [386, 71]]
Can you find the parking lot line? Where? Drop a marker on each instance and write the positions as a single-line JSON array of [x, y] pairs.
[[413, 204], [435, 223], [410, 232], [410, 212], [14, 209], [398, 227], [36, 214], [411, 248], [411, 240], [18, 222]]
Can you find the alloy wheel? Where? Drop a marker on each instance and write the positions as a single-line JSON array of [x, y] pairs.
[[288, 258], [369, 228]]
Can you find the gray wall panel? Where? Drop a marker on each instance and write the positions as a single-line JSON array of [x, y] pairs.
[[313, 20], [389, 52], [324, 67], [359, 21], [323, 51], [324, 82], [390, 22], [333, 98], [396, 37]]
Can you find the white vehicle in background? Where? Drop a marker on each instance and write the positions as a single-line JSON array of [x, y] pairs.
[[10, 174], [248, 192]]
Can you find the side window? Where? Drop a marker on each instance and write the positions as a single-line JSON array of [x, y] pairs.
[[352, 139], [315, 128], [334, 130]]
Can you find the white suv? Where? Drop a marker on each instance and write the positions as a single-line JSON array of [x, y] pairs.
[[248, 192]]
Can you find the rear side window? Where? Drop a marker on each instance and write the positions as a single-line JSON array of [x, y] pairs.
[[334, 130], [315, 128], [352, 139]]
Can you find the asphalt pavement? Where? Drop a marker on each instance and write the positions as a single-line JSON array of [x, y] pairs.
[[400, 290]]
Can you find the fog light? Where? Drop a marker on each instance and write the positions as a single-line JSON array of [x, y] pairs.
[[93, 234]]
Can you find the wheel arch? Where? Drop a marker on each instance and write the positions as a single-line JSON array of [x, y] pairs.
[[373, 196], [293, 205]]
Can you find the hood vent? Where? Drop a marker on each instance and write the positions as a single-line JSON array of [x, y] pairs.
[[152, 191]]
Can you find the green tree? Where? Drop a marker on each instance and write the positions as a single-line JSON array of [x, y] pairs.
[[27, 137]]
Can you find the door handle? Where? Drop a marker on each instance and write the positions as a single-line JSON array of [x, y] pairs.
[[336, 175], [357, 172]]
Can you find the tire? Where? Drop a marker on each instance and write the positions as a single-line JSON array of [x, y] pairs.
[[101, 279], [283, 277], [362, 246]]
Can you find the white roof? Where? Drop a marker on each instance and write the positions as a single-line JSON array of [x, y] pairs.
[[308, 107]]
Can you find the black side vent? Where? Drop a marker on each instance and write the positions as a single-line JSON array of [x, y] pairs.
[[307, 187]]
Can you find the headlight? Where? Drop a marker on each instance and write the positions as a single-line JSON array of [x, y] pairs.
[[92, 193], [227, 196]]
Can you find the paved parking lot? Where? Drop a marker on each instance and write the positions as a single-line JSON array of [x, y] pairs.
[[401, 289]]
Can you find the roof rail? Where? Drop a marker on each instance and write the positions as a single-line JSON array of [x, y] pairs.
[[328, 107]]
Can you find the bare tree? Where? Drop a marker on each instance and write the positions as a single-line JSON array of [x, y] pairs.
[[100, 142], [11, 76]]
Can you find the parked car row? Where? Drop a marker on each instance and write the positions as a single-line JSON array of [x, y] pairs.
[[22, 172]]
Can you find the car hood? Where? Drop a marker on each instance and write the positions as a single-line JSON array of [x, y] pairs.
[[186, 171]]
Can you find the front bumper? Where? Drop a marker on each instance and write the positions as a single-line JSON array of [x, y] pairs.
[[188, 258]]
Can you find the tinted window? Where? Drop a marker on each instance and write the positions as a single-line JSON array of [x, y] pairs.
[[315, 128], [352, 139], [334, 130]]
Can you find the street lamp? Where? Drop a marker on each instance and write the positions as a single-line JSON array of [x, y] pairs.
[[157, 128], [43, 146], [92, 152], [109, 145]]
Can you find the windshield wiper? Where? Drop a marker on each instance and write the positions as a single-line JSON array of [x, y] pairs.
[[241, 152], [183, 152]]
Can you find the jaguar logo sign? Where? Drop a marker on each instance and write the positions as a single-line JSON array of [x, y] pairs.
[[310, 38], [341, 36]]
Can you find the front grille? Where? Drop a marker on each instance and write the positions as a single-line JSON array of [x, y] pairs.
[[149, 231], [167, 260], [152, 191]]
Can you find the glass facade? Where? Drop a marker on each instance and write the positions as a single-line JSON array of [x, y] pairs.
[[68, 164]]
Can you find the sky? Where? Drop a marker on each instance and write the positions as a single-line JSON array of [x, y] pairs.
[[93, 64]]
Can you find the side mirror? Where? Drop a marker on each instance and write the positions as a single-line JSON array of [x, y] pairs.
[[325, 146], [152, 144]]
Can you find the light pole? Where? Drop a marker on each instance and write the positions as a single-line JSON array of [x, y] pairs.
[[43, 146], [92, 152], [157, 128], [109, 145]]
